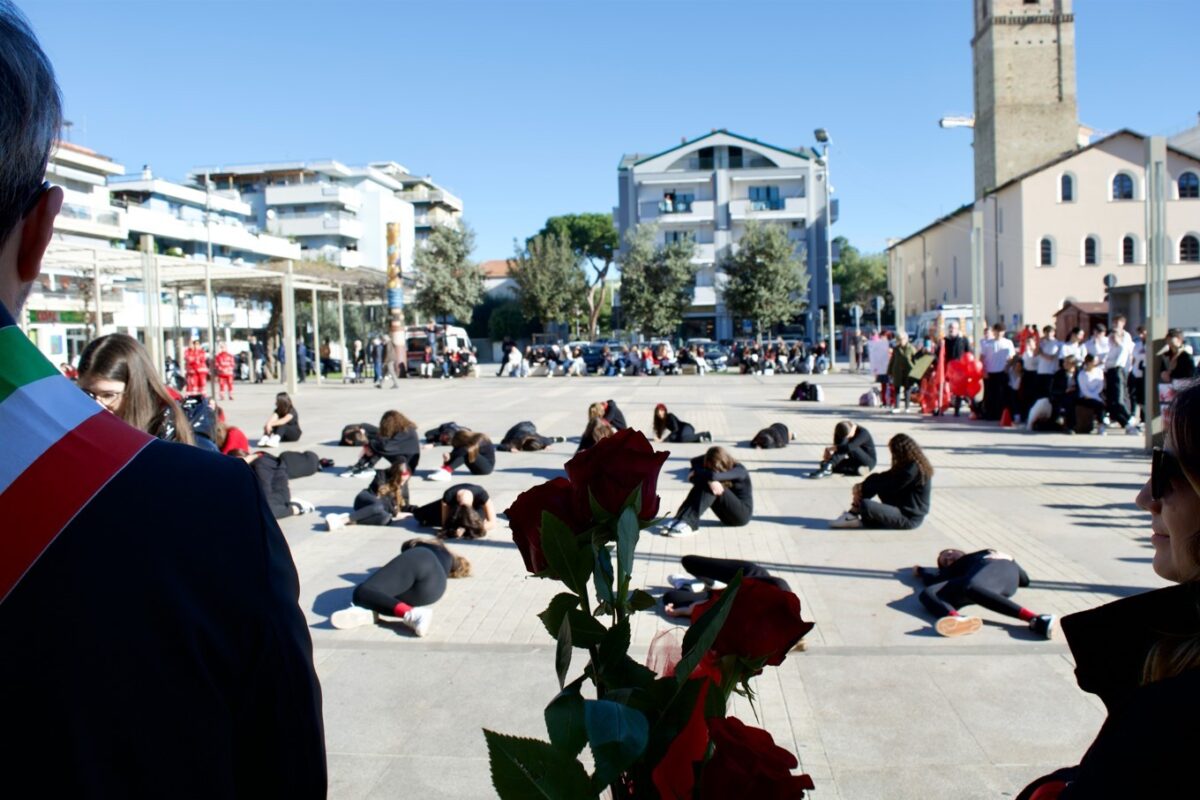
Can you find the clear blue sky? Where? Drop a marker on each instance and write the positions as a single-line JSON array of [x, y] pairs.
[[524, 108]]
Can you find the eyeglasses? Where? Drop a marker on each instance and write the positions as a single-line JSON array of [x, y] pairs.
[[1164, 468], [106, 399]]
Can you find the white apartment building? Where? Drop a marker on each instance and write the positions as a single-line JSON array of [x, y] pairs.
[[335, 212], [432, 204], [707, 190], [1052, 234]]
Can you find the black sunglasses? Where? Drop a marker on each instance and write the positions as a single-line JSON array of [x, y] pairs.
[[1164, 468]]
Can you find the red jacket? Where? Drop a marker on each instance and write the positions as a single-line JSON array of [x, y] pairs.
[[225, 363]]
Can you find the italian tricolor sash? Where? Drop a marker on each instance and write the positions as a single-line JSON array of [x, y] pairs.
[[58, 449]]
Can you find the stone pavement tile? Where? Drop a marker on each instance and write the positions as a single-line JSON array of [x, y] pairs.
[[948, 780], [442, 777], [355, 775]]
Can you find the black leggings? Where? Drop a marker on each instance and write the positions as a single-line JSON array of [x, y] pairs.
[[288, 433], [845, 464], [729, 508], [992, 587], [482, 465], [429, 515], [716, 569], [300, 465], [415, 577], [370, 509], [685, 435], [880, 515]]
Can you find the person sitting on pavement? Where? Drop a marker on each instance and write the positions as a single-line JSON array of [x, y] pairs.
[[396, 440], [720, 483], [464, 512], [986, 578], [379, 504], [471, 448], [772, 437], [608, 414], [283, 425], [852, 452], [904, 491]]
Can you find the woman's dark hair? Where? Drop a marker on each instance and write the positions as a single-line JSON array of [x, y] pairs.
[[660, 422], [841, 432], [761, 440], [718, 459], [283, 405], [465, 522], [459, 566], [529, 443], [393, 481], [470, 440], [145, 403], [906, 451], [1070, 363], [393, 422]]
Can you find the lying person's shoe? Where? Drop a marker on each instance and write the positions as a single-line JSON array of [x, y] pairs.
[[419, 618], [704, 436], [823, 472], [335, 521], [957, 625], [352, 617], [689, 582], [559, 439], [680, 529], [303, 506], [325, 463], [847, 520], [1042, 625], [438, 475]]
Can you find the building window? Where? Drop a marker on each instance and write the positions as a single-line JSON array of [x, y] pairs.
[[676, 203], [1122, 187], [1090, 247], [1128, 250], [1067, 189], [735, 158], [705, 158], [1189, 185], [670, 237], [1189, 250], [1046, 253], [765, 198]]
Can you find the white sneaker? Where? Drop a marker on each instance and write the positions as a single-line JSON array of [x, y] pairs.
[[335, 521], [846, 521], [304, 506], [264, 441], [352, 617], [689, 582], [274, 442], [680, 529], [419, 619], [438, 475]]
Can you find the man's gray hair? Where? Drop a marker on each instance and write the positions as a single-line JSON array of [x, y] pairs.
[[30, 116]]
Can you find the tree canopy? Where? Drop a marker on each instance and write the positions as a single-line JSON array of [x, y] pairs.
[[862, 276], [448, 283], [656, 281], [549, 282], [767, 281], [593, 239]]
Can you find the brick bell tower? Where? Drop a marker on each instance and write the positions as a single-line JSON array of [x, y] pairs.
[[1025, 105]]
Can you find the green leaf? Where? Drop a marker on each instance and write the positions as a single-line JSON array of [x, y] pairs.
[[703, 632], [603, 574], [528, 769], [617, 735], [598, 512], [586, 630], [676, 704], [640, 601], [564, 719], [569, 559], [613, 647], [554, 614], [627, 539], [562, 652]]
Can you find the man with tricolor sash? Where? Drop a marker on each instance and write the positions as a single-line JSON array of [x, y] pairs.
[[143, 652]]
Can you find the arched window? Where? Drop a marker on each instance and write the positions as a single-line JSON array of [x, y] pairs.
[[1189, 185], [1128, 250], [1122, 187], [1067, 189], [1189, 250], [1046, 253], [1091, 247]]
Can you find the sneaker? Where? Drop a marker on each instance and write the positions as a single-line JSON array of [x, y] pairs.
[[1132, 430], [893, 410], [705, 436], [352, 617], [335, 521], [689, 582], [820, 473], [304, 506], [1042, 625], [419, 618], [274, 440], [558, 439], [680, 529], [953, 625], [264, 441], [847, 521], [438, 475]]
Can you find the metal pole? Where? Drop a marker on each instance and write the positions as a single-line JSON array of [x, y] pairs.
[[829, 263], [153, 298], [346, 354], [317, 333], [209, 304], [1156, 278], [977, 275], [289, 329], [96, 290]]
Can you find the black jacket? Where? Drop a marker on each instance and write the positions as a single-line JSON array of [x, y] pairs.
[[675, 427], [614, 416], [861, 447], [964, 569], [443, 433], [1148, 744], [773, 436], [404, 446], [738, 479], [516, 433], [901, 487]]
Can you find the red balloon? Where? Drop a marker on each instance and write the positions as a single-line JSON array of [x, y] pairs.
[[974, 387]]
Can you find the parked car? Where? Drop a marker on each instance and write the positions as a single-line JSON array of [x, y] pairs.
[[593, 356]]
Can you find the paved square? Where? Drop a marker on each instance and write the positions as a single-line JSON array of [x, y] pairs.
[[878, 706]]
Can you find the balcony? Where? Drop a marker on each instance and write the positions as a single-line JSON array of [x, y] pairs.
[[224, 234], [781, 208], [319, 224], [439, 197], [313, 194], [102, 223], [704, 253], [340, 258], [680, 212]]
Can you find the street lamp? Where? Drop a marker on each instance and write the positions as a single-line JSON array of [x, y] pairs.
[[822, 137]]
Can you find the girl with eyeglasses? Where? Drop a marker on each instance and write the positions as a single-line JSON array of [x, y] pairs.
[[115, 371], [1141, 655]]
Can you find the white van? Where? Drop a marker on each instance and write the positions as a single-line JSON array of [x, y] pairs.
[[921, 326], [416, 337]]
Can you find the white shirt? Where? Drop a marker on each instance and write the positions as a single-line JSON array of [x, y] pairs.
[[1048, 356], [1097, 347], [1071, 349], [996, 353], [1029, 360], [878, 353], [1137, 364], [1091, 383], [1120, 351]]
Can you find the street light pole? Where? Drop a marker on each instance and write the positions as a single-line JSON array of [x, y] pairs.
[[822, 137]]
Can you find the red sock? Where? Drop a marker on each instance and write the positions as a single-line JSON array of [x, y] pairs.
[[401, 609], [953, 612], [448, 469], [1025, 614]]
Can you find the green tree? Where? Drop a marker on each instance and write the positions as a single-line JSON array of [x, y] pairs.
[[656, 282], [448, 283], [549, 282], [767, 282], [594, 240], [507, 322], [862, 276]]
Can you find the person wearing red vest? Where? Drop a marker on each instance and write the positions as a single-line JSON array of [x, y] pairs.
[[225, 364], [133, 663], [195, 365]]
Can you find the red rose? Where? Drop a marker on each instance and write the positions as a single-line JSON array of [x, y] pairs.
[[675, 774], [525, 519], [748, 763], [611, 469], [764, 622]]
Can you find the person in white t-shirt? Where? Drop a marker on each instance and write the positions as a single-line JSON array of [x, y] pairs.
[[1097, 346], [879, 351], [997, 350], [1048, 358], [1117, 364], [1073, 346], [1091, 389]]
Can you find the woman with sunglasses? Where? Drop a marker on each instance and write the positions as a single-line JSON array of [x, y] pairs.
[[115, 371], [1141, 654]]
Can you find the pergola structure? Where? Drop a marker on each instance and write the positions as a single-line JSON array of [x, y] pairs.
[[155, 272]]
